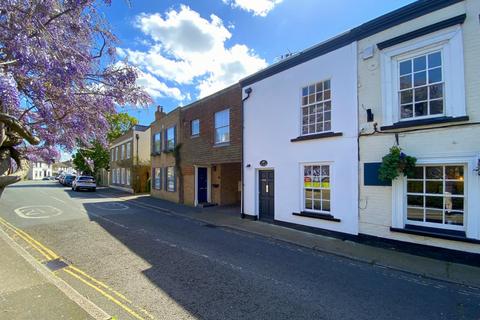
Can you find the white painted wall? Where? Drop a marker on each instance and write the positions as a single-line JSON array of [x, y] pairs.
[[376, 202], [39, 170], [272, 117]]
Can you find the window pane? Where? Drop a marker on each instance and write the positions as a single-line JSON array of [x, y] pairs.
[[327, 126], [304, 100], [415, 214], [454, 217], [328, 106], [436, 106], [419, 63], [434, 59], [326, 94], [421, 109], [420, 78], [195, 127], [222, 118], [436, 91], [434, 202], [415, 201], [308, 204], [405, 67], [415, 186], [308, 193], [307, 171], [434, 172], [320, 96], [325, 171], [326, 84], [326, 194], [305, 91], [421, 94], [319, 86], [434, 187], [311, 89], [316, 205], [406, 97], [222, 135], [457, 203], [325, 205], [454, 187], [435, 216], [435, 75], [406, 111], [406, 82], [454, 172]]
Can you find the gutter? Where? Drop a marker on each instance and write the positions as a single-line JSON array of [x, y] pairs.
[[248, 91]]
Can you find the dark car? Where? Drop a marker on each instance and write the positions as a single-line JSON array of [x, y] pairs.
[[67, 181]]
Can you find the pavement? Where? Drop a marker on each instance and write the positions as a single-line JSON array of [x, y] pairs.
[[27, 293], [140, 258]]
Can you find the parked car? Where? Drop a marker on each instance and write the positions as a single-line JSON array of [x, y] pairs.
[[84, 182], [67, 181]]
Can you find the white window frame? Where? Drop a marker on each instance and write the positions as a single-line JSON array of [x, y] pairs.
[[221, 127], [170, 179], [122, 152], [157, 179], [128, 150], [122, 175], [168, 139], [450, 42], [112, 154], [471, 218], [195, 134], [313, 104], [127, 173], [302, 186], [157, 138]]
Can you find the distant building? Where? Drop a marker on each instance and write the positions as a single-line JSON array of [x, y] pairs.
[[39, 170], [130, 160], [63, 167]]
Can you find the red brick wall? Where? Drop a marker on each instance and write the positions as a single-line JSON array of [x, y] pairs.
[[202, 150]]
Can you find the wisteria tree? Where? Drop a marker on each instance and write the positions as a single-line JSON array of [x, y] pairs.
[[59, 80]]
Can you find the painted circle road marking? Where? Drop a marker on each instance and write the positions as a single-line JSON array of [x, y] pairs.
[[111, 206], [38, 212]]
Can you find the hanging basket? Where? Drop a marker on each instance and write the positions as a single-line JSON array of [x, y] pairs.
[[395, 163]]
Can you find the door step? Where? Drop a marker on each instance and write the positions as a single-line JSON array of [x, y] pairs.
[[206, 205]]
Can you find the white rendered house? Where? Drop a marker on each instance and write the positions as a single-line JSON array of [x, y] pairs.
[[39, 170], [300, 165]]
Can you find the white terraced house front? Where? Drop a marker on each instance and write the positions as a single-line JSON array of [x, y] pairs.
[[420, 79], [300, 142]]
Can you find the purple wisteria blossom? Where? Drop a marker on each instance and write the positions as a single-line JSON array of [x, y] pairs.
[[58, 78]]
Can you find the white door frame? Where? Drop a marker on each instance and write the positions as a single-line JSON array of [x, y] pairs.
[[209, 184]]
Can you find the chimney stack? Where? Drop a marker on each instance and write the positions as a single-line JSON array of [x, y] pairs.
[[159, 114]]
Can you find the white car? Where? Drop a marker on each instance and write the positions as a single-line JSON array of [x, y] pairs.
[[84, 182]]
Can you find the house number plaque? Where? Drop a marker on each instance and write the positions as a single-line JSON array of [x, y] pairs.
[[263, 163]]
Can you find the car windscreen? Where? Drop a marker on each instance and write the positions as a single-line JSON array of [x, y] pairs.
[[89, 179]]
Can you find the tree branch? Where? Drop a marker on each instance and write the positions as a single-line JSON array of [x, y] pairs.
[[16, 126]]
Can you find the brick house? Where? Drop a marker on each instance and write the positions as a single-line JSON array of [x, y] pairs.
[[211, 151], [164, 143], [130, 160]]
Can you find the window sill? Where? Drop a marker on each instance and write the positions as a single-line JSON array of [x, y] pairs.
[[315, 215], [194, 136], [423, 122], [317, 136], [435, 233], [220, 145]]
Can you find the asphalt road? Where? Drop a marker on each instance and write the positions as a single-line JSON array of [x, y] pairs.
[[171, 267]]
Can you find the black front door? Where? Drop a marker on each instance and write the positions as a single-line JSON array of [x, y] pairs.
[[202, 185], [266, 194]]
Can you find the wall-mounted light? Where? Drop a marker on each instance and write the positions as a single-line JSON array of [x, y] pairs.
[[248, 165], [370, 116]]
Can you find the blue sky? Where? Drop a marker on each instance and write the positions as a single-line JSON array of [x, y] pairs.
[[186, 50]]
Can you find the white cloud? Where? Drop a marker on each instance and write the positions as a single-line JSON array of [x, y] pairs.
[[158, 89], [189, 49], [257, 7]]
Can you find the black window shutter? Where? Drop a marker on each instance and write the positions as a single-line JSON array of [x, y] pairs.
[[174, 136]]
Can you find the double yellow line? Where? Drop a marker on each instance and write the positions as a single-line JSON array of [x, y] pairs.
[[106, 291]]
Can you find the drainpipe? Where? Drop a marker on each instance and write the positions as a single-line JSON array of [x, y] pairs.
[[248, 91]]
